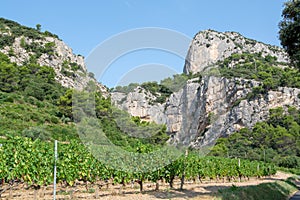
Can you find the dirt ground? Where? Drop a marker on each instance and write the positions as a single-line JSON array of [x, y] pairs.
[[194, 191]]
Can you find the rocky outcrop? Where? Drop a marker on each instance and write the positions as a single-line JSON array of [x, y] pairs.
[[204, 110], [208, 47], [140, 103], [228, 107], [70, 69], [212, 106]]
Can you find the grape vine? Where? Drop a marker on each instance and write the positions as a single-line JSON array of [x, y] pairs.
[[27, 161]]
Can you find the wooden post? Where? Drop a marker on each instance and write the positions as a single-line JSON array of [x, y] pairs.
[[10, 192], [97, 192], [35, 195], [157, 185], [240, 177]]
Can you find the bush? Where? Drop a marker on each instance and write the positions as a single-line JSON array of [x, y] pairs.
[[36, 132], [6, 40], [289, 162]]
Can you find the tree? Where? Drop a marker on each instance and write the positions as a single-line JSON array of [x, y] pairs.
[[9, 77], [289, 33], [38, 27], [65, 104]]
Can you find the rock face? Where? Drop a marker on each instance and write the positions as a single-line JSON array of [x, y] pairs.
[[61, 58], [209, 47], [138, 103], [212, 106], [202, 111]]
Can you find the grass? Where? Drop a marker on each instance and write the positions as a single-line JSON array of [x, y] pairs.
[[267, 191], [290, 170], [90, 190], [63, 192]]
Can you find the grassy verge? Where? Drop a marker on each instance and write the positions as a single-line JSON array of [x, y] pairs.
[[290, 170], [267, 191]]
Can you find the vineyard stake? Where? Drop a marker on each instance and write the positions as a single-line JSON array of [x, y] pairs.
[[54, 179], [183, 174]]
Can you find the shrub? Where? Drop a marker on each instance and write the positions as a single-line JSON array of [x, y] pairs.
[[290, 162]]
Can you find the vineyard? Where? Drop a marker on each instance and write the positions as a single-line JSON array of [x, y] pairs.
[[31, 162]]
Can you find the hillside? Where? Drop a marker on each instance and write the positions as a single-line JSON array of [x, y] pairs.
[[39, 76], [24, 45], [37, 69]]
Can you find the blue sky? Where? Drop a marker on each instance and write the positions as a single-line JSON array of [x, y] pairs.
[[85, 24]]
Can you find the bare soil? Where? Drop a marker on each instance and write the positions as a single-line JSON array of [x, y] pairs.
[[192, 190]]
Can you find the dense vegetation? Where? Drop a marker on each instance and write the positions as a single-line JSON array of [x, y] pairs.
[[33, 104], [264, 69], [25, 160], [289, 33], [28, 96], [30, 79], [277, 140]]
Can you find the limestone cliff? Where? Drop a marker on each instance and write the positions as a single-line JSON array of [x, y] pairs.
[[211, 106], [202, 111], [209, 47]]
